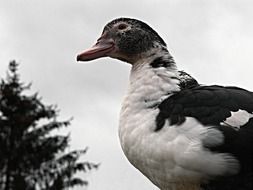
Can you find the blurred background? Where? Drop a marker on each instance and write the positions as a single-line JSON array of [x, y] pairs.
[[212, 40]]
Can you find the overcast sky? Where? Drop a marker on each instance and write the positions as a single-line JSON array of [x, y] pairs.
[[211, 39]]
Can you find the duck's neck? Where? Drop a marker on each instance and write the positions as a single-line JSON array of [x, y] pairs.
[[150, 83], [153, 79], [157, 57]]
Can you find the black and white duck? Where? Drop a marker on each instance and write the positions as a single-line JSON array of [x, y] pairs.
[[179, 134]]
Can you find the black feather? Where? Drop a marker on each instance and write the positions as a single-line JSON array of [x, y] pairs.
[[211, 105]]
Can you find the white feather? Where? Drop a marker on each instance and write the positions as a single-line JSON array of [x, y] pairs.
[[173, 157], [238, 119]]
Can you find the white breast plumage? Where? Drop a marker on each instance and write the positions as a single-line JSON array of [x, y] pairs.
[[181, 135], [174, 154]]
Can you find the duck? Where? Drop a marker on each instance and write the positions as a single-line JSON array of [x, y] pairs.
[[180, 134]]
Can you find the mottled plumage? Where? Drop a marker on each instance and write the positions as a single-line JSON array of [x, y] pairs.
[[178, 133]]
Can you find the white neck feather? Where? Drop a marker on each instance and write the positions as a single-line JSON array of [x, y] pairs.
[[149, 86]]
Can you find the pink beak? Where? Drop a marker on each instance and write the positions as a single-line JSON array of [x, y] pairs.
[[101, 49]]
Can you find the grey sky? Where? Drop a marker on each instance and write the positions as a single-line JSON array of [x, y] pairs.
[[210, 39]]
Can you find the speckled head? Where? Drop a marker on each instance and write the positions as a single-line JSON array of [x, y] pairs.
[[125, 39]]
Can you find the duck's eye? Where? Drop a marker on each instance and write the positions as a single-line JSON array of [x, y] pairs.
[[122, 26]]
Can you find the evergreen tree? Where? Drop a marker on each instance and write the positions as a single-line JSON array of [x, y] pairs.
[[31, 158]]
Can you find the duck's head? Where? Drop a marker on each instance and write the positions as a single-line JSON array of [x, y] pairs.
[[125, 39]]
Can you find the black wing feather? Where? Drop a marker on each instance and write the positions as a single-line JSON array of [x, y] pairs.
[[210, 105]]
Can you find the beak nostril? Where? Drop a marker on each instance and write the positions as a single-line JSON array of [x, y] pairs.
[[101, 49], [103, 36]]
